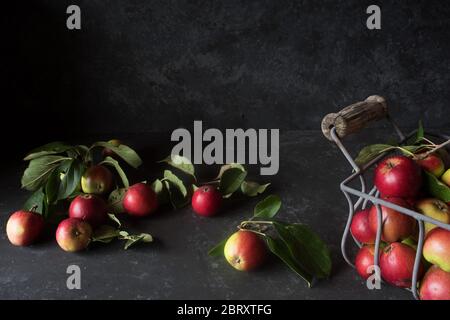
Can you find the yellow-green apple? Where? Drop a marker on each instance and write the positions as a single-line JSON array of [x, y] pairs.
[[140, 200], [446, 177], [431, 163], [90, 208], [436, 248], [73, 234], [435, 285], [245, 250], [398, 176], [435, 209], [107, 152], [360, 227], [97, 180], [24, 227], [397, 264], [365, 260], [395, 225]]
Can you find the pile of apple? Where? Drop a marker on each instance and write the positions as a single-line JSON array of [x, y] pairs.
[[399, 179], [88, 211]]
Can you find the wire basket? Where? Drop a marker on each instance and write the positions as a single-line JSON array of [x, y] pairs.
[[350, 120]]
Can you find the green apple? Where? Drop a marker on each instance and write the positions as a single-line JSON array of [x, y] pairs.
[[446, 177], [435, 209], [97, 180]]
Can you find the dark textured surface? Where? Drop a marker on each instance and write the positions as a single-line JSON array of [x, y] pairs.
[[140, 66], [177, 266]]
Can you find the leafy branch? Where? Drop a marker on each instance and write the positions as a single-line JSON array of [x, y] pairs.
[[295, 244]]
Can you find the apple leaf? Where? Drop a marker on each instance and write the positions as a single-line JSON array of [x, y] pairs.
[[180, 163], [225, 167], [105, 234], [217, 250], [370, 152], [48, 149], [115, 219], [278, 247], [125, 152], [161, 191], [306, 248], [175, 181], [70, 181], [36, 201], [252, 189], [115, 200], [231, 180], [436, 188], [268, 207], [38, 170], [133, 239], [114, 163]]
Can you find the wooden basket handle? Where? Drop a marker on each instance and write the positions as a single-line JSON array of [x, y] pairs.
[[355, 117]]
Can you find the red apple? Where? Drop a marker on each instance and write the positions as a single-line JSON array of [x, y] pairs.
[[435, 285], [140, 200], [436, 248], [360, 227], [245, 250], [432, 163], [397, 264], [24, 227], [97, 180], [107, 152], [365, 259], [206, 201], [90, 208], [398, 176], [73, 234], [396, 226]]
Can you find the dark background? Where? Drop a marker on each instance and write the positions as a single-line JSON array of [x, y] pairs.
[[152, 66], [139, 69]]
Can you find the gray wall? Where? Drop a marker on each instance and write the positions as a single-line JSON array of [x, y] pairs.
[[142, 65]]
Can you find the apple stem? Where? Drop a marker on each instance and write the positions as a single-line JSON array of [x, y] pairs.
[[436, 148], [251, 230]]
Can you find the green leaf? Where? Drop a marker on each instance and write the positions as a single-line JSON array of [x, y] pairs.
[[52, 187], [279, 248], [39, 170], [133, 239], [181, 163], [174, 194], [36, 200], [115, 201], [218, 249], [370, 152], [48, 149], [114, 163], [436, 188], [252, 189], [105, 234], [70, 176], [175, 181], [306, 248], [267, 208], [420, 132], [115, 219], [125, 152], [161, 191], [231, 180], [225, 167]]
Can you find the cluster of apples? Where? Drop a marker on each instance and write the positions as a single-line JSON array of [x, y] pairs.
[[399, 181], [86, 212]]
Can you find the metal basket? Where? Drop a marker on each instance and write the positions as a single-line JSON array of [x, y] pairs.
[[350, 120]]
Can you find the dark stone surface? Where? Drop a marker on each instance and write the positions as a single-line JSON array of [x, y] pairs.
[[177, 266]]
